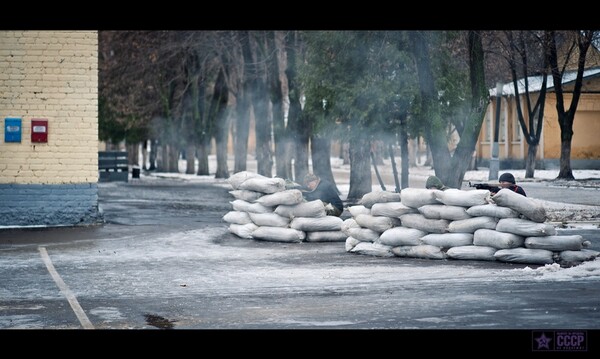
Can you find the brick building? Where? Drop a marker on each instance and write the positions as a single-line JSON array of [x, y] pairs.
[[49, 129]]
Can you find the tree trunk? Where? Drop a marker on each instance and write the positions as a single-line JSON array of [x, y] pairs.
[[320, 149], [190, 156], [219, 116], [404, 153], [282, 161], [296, 122], [360, 169], [530, 161], [566, 136], [202, 153], [463, 153], [153, 154]]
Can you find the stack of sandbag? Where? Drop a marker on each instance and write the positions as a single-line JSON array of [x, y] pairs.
[[460, 224], [264, 209]]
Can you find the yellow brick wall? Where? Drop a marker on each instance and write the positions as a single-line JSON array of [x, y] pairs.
[[51, 75]]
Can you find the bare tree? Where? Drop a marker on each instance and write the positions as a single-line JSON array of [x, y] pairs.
[[580, 44]]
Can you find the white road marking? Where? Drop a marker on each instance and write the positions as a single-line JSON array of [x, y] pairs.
[[79, 312]]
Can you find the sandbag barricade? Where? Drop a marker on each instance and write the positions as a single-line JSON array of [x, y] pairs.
[[264, 209], [461, 224]]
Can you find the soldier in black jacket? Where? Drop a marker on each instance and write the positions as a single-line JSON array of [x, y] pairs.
[[324, 190], [507, 180]]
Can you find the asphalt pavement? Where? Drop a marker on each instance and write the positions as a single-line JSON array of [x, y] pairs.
[[165, 259]]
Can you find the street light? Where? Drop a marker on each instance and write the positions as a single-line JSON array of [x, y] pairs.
[[494, 161]]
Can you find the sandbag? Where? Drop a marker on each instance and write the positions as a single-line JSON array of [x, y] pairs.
[[525, 227], [526, 206], [448, 240], [442, 211], [492, 210], [243, 230], [377, 223], [269, 219], [263, 184], [401, 236], [391, 209], [459, 197], [418, 221], [278, 234], [236, 179], [372, 249], [288, 197], [425, 251], [478, 253], [313, 209], [358, 209], [362, 234], [470, 225], [325, 236], [497, 239], [417, 197], [243, 206], [350, 243], [248, 196], [576, 257], [525, 255], [369, 199], [556, 243], [327, 223], [237, 217]]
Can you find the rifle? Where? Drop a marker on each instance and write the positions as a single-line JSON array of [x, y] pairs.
[[486, 186]]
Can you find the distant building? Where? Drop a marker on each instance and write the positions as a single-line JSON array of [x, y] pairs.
[[585, 147]]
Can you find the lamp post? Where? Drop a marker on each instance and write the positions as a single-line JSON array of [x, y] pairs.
[[494, 161]]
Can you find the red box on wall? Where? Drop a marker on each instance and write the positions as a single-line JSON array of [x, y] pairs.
[[39, 130]]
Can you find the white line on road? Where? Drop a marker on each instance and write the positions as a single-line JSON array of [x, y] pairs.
[[83, 319]]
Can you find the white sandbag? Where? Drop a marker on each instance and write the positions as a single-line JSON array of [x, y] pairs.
[[362, 234], [350, 243], [313, 209], [377, 223], [525, 227], [417, 197], [372, 249], [530, 208], [237, 217], [349, 223], [442, 211], [497, 239], [448, 240], [243, 206], [288, 197], [325, 236], [492, 210], [278, 234], [263, 184], [425, 251], [525, 255], [327, 223], [477, 253], [369, 199], [556, 243], [401, 236], [269, 219], [391, 209], [470, 225], [243, 230], [418, 221], [358, 209], [352, 229], [237, 179], [463, 198], [575, 257], [248, 196]]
